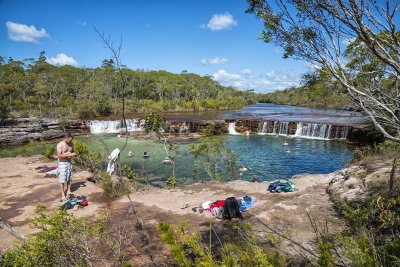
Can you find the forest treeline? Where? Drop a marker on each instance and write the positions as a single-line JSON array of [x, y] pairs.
[[32, 87], [317, 89]]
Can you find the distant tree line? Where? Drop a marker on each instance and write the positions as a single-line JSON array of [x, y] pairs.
[[32, 87], [318, 89]]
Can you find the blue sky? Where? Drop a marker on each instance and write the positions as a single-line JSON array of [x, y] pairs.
[[208, 37]]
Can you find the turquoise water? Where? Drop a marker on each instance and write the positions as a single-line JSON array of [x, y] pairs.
[[266, 156]]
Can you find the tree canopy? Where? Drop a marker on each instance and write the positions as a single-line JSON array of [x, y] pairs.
[[35, 88], [357, 41]]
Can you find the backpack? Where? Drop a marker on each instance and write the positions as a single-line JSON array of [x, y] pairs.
[[84, 202], [231, 209]]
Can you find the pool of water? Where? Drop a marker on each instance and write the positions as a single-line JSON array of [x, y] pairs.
[[268, 111], [267, 157]]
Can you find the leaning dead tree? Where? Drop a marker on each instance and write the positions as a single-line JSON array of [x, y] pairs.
[[357, 41]]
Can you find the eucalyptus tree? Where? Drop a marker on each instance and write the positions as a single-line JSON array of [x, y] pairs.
[[319, 30]]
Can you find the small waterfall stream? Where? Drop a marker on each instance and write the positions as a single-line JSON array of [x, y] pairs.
[[231, 129], [115, 126]]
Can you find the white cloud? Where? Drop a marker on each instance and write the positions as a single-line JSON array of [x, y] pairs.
[[224, 77], [261, 83], [214, 61], [247, 72], [220, 22], [62, 59], [24, 33], [277, 51]]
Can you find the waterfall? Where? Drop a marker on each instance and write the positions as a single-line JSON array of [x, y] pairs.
[[264, 128], [321, 131], [231, 129], [340, 132], [279, 127], [313, 130], [115, 126], [183, 128]]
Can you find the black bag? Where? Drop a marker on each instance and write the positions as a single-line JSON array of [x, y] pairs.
[[231, 209]]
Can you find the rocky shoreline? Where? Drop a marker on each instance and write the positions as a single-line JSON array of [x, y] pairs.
[[20, 131]]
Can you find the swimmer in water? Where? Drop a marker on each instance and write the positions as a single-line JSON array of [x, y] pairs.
[[130, 154]]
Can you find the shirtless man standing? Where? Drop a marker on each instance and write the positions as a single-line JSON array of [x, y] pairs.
[[65, 152]]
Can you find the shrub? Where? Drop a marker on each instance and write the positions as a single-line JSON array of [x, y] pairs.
[[49, 151], [113, 188], [242, 247], [63, 240], [91, 161]]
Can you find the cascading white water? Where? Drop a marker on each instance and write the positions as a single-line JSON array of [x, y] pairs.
[[183, 128], [116, 126], [231, 129], [264, 128], [321, 131], [279, 127], [340, 132]]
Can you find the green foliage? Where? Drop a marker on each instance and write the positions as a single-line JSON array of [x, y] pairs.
[[153, 123], [242, 247], [29, 149], [68, 91], [129, 173], [385, 150], [114, 187], [86, 159], [217, 160], [318, 90], [375, 231], [171, 182], [325, 249], [356, 215], [209, 130], [49, 151], [355, 249], [62, 240]]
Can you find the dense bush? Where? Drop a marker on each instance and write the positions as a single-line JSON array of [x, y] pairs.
[[242, 248], [64, 240], [91, 161], [114, 187], [385, 150]]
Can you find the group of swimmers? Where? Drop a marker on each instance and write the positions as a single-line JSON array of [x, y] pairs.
[[145, 154]]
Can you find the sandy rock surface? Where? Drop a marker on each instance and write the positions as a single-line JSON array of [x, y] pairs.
[[22, 188]]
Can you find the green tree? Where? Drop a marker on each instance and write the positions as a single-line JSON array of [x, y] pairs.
[[315, 30]]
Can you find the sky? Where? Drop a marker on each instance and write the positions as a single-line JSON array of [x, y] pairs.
[[207, 37]]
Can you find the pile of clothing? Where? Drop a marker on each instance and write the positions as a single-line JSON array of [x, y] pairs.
[[74, 203], [278, 186], [229, 208]]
